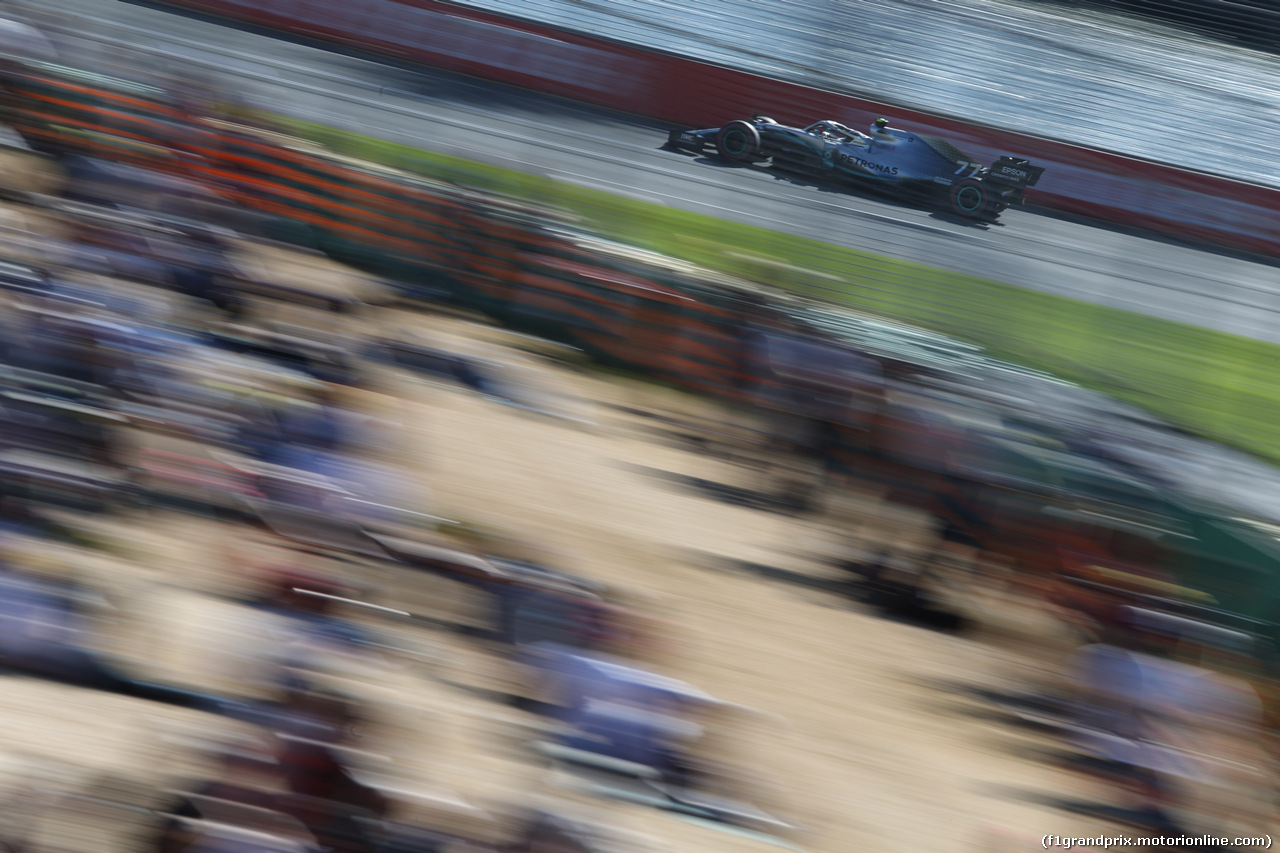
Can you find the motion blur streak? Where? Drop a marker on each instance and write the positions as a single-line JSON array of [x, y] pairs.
[[351, 508]]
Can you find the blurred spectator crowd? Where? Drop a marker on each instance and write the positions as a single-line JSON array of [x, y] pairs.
[[139, 367]]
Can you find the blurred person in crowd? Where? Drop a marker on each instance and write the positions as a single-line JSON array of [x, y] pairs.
[[625, 632], [288, 634], [241, 776], [315, 424], [43, 427], [1115, 727], [320, 435], [310, 632], [315, 727], [595, 626], [47, 629], [59, 346], [1079, 596], [45, 617], [1228, 717], [803, 391], [306, 596], [259, 434], [963, 528], [116, 252], [1144, 714], [294, 428], [206, 274]]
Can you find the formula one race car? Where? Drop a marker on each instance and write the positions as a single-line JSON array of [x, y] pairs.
[[909, 162]]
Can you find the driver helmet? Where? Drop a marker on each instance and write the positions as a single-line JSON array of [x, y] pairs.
[[881, 123]]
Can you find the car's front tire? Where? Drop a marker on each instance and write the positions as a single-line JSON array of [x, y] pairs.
[[970, 199], [738, 142]]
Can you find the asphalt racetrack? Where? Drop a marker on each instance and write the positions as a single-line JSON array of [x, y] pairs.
[[592, 147]]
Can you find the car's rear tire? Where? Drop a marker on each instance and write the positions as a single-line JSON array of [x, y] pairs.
[[738, 142], [970, 199]]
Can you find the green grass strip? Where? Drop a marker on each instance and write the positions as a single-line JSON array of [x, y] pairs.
[[1218, 385]]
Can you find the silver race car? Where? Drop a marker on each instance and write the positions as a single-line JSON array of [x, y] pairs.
[[908, 162]]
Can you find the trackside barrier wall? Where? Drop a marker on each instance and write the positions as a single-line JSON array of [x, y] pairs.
[[1078, 180]]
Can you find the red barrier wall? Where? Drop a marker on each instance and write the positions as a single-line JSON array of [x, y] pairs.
[[684, 92]]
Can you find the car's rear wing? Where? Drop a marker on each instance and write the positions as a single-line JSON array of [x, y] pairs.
[[1014, 172]]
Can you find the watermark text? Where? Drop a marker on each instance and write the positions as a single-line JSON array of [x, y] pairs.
[[1105, 842]]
